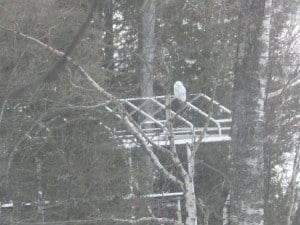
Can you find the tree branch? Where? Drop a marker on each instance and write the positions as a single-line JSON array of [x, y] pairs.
[[119, 110], [58, 66], [293, 80], [92, 221]]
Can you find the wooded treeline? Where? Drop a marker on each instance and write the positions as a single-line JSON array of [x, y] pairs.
[[58, 161]]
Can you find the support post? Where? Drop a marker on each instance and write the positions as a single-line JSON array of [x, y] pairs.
[[131, 182], [178, 212]]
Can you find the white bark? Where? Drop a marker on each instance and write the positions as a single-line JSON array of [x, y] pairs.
[[190, 203], [40, 198], [226, 211], [187, 175], [190, 196], [291, 195]]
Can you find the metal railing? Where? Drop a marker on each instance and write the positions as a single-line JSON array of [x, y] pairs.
[[187, 127]]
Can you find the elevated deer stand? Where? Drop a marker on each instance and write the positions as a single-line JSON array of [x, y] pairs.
[[188, 127]]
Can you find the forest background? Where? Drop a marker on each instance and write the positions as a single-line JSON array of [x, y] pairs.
[[59, 164]]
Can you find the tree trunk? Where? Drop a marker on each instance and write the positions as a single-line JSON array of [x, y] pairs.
[[296, 220], [109, 37], [146, 75], [190, 197], [248, 114], [190, 203], [148, 48]]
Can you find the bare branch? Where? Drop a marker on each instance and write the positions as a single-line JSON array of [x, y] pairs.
[[86, 106], [150, 152], [92, 221], [169, 127], [226, 178], [197, 144], [5, 99], [58, 66], [2, 109], [279, 92], [293, 80], [38, 122], [120, 111]]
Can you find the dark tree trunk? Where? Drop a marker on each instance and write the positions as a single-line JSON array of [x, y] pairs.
[[148, 48], [109, 37], [147, 45], [248, 114]]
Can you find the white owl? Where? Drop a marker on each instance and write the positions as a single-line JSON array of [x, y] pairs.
[[179, 91]]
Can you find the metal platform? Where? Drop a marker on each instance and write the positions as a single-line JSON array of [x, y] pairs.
[[188, 126]]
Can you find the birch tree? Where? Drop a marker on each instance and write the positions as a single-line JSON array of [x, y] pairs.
[[248, 113], [281, 109]]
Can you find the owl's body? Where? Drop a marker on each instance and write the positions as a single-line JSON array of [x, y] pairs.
[[179, 91]]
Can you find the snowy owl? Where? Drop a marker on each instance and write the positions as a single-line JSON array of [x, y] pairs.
[[179, 91]]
